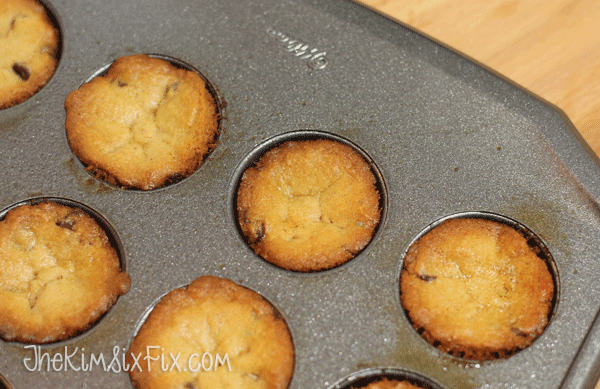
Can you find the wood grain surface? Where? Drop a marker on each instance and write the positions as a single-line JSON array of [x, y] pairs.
[[549, 47]]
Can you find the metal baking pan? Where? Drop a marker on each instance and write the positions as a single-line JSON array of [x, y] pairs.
[[447, 136]]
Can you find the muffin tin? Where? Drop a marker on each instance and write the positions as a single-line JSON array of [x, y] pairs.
[[446, 135]]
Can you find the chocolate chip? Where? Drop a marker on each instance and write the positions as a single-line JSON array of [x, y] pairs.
[[21, 71], [172, 87], [14, 20], [68, 224], [520, 333], [259, 234], [51, 51], [68, 221], [427, 278]]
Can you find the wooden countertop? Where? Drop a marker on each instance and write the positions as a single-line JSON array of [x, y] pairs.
[[550, 47]]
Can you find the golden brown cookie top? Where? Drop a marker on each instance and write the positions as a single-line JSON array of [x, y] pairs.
[[385, 383], [223, 320], [143, 124], [29, 46], [475, 287], [59, 273], [309, 205]]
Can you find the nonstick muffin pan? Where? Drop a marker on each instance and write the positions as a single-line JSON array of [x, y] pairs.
[[447, 137]]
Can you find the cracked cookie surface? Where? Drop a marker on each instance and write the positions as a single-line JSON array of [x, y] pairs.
[[475, 289], [213, 317], [144, 124], [309, 205], [29, 46], [59, 273]]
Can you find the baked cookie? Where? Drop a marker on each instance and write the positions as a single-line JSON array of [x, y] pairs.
[[29, 44], [144, 124], [384, 383], [226, 336], [309, 205], [475, 289], [59, 273]]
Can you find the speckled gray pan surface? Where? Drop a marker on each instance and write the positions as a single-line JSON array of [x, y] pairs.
[[446, 135]]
